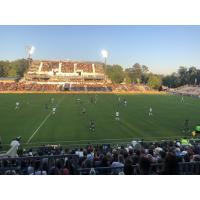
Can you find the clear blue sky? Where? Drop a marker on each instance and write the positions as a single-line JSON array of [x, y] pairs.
[[162, 48]]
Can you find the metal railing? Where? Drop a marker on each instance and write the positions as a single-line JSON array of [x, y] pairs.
[[20, 165], [185, 168]]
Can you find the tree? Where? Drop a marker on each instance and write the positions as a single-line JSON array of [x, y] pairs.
[[192, 75], [171, 81], [22, 67], [183, 75], [145, 74], [155, 81], [127, 78], [115, 73], [137, 72]]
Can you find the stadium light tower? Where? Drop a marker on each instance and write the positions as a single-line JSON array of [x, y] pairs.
[[30, 51], [104, 53]]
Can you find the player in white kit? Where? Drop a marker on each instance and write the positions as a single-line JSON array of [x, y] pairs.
[[117, 116], [182, 99], [54, 110], [17, 105], [150, 111]]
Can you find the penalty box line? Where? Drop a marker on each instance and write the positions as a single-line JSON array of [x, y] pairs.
[[42, 123]]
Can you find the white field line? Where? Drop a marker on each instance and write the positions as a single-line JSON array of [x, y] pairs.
[[45, 119]]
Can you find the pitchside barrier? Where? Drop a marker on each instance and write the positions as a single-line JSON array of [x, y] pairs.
[[20, 165], [185, 168]]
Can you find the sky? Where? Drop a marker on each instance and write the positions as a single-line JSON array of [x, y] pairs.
[[162, 48]]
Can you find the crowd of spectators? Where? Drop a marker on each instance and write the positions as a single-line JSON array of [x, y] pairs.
[[77, 85], [85, 67], [135, 158], [187, 90], [99, 68], [67, 67], [49, 66], [129, 87], [23, 86]]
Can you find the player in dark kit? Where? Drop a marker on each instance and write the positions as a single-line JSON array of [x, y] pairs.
[[83, 110], [92, 125], [186, 128]]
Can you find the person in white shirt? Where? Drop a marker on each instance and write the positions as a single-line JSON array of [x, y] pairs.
[[182, 99], [54, 110], [117, 115], [14, 145], [150, 111], [17, 105]]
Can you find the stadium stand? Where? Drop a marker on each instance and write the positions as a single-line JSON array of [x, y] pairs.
[[187, 90], [67, 67], [74, 85], [85, 67], [47, 75], [136, 158], [64, 70]]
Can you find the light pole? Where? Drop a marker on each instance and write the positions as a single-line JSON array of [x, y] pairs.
[[104, 54], [30, 50]]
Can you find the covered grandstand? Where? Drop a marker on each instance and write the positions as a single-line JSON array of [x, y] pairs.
[[65, 71]]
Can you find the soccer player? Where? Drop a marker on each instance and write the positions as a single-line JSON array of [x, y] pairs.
[[54, 110], [52, 100], [119, 99], [95, 98], [125, 102], [150, 111], [17, 105], [92, 125], [117, 116], [182, 99], [78, 100], [91, 100], [186, 128], [83, 110]]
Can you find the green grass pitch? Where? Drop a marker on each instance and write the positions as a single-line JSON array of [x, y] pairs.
[[37, 125]]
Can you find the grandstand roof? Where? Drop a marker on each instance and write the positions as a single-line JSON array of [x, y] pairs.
[[68, 60]]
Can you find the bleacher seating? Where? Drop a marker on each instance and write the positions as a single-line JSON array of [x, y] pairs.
[[67, 67], [187, 91], [99, 68], [49, 66], [85, 67], [34, 66]]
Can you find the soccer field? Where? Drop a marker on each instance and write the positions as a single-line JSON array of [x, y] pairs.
[[36, 124]]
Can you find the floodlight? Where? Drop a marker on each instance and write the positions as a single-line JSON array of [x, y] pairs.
[[104, 53]]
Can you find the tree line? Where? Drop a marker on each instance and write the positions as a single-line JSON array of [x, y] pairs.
[[141, 74], [14, 68], [135, 74], [183, 76], [117, 74]]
